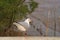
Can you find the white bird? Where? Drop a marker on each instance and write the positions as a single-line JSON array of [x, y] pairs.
[[23, 26]]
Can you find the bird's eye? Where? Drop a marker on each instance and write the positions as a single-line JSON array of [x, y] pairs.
[[30, 22]]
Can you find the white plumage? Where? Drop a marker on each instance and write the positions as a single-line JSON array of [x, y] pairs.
[[23, 26]]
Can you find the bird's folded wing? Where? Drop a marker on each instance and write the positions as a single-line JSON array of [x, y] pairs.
[[20, 27]]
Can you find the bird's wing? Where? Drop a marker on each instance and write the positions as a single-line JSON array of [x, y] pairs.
[[20, 27]]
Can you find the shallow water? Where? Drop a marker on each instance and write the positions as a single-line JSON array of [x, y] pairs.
[[48, 11]]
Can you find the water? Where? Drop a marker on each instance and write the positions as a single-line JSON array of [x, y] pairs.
[[42, 13]]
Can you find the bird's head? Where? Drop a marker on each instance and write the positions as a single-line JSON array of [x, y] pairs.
[[28, 20]]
